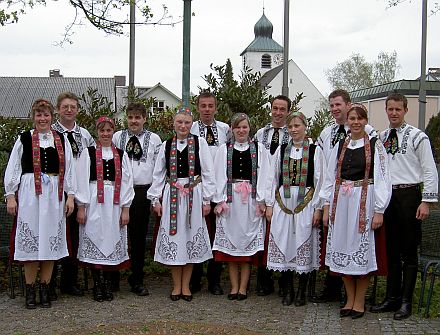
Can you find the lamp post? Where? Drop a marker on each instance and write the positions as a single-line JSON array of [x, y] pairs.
[[422, 82], [132, 51], [186, 52], [285, 89]]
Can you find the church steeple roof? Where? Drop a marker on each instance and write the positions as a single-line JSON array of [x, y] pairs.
[[263, 41]]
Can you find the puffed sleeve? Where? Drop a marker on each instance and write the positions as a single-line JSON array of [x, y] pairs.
[[13, 169], [207, 167], [159, 176], [127, 190], [221, 178], [273, 177], [70, 173], [318, 176], [326, 191], [382, 178], [263, 187], [82, 195]]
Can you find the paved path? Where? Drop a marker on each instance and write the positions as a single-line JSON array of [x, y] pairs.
[[206, 314]]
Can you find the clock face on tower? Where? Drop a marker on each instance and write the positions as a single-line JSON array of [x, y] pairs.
[[278, 59]]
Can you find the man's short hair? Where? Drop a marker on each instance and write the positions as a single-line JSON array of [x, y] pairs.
[[340, 93], [136, 108], [66, 95], [284, 98], [206, 94], [397, 97]]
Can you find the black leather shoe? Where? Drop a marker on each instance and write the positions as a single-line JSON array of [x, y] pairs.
[[97, 293], [53, 293], [404, 312], [195, 287], [263, 291], [31, 302], [344, 312], [241, 296], [232, 296], [44, 296], [140, 290], [187, 297], [174, 297], [72, 290], [356, 314], [388, 305], [215, 289]]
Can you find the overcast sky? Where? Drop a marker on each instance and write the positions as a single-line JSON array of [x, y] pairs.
[[322, 33]]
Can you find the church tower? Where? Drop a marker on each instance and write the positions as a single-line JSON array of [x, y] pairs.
[[263, 53]]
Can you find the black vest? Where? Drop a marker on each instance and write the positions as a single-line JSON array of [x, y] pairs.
[[353, 165], [108, 167], [182, 159], [310, 169], [48, 156], [242, 162]]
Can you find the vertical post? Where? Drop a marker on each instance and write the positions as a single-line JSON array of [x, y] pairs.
[[186, 51], [285, 89], [422, 83], [132, 51]]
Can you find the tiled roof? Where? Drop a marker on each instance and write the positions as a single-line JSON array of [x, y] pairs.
[[407, 87], [18, 93]]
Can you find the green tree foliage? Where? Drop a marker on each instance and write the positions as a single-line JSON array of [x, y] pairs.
[[93, 105], [356, 73], [238, 96], [433, 132], [321, 119]]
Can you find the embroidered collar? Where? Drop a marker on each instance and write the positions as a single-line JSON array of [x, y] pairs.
[[138, 135], [402, 127], [203, 127], [266, 129]]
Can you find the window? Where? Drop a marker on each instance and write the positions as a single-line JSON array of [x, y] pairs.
[[266, 61], [159, 106]]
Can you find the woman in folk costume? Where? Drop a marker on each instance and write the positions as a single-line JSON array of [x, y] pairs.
[[240, 170], [104, 196], [39, 171], [357, 190], [297, 174], [184, 178]]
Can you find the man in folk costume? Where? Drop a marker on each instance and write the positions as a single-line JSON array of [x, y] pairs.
[[79, 138], [340, 103], [271, 136], [142, 147], [215, 133], [415, 186]]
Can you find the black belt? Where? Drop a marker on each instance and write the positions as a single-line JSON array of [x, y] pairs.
[[402, 186], [141, 186]]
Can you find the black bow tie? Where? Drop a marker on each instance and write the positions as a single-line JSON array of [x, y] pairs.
[[133, 148]]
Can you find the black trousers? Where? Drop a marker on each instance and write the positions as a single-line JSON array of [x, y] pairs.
[[214, 268], [137, 233], [69, 264], [403, 233]]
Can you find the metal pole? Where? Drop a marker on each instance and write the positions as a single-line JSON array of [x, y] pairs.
[[132, 51], [186, 51], [422, 88], [285, 89]]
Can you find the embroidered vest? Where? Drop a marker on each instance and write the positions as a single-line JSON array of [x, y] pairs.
[[182, 159], [109, 165], [311, 168], [353, 165]]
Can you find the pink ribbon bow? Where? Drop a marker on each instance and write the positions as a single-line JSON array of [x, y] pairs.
[[244, 188], [347, 187], [183, 191]]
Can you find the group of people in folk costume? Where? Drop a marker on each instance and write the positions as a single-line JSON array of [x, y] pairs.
[[353, 201]]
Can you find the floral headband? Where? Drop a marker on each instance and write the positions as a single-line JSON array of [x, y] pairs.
[[184, 110], [105, 118], [353, 106], [299, 115]]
